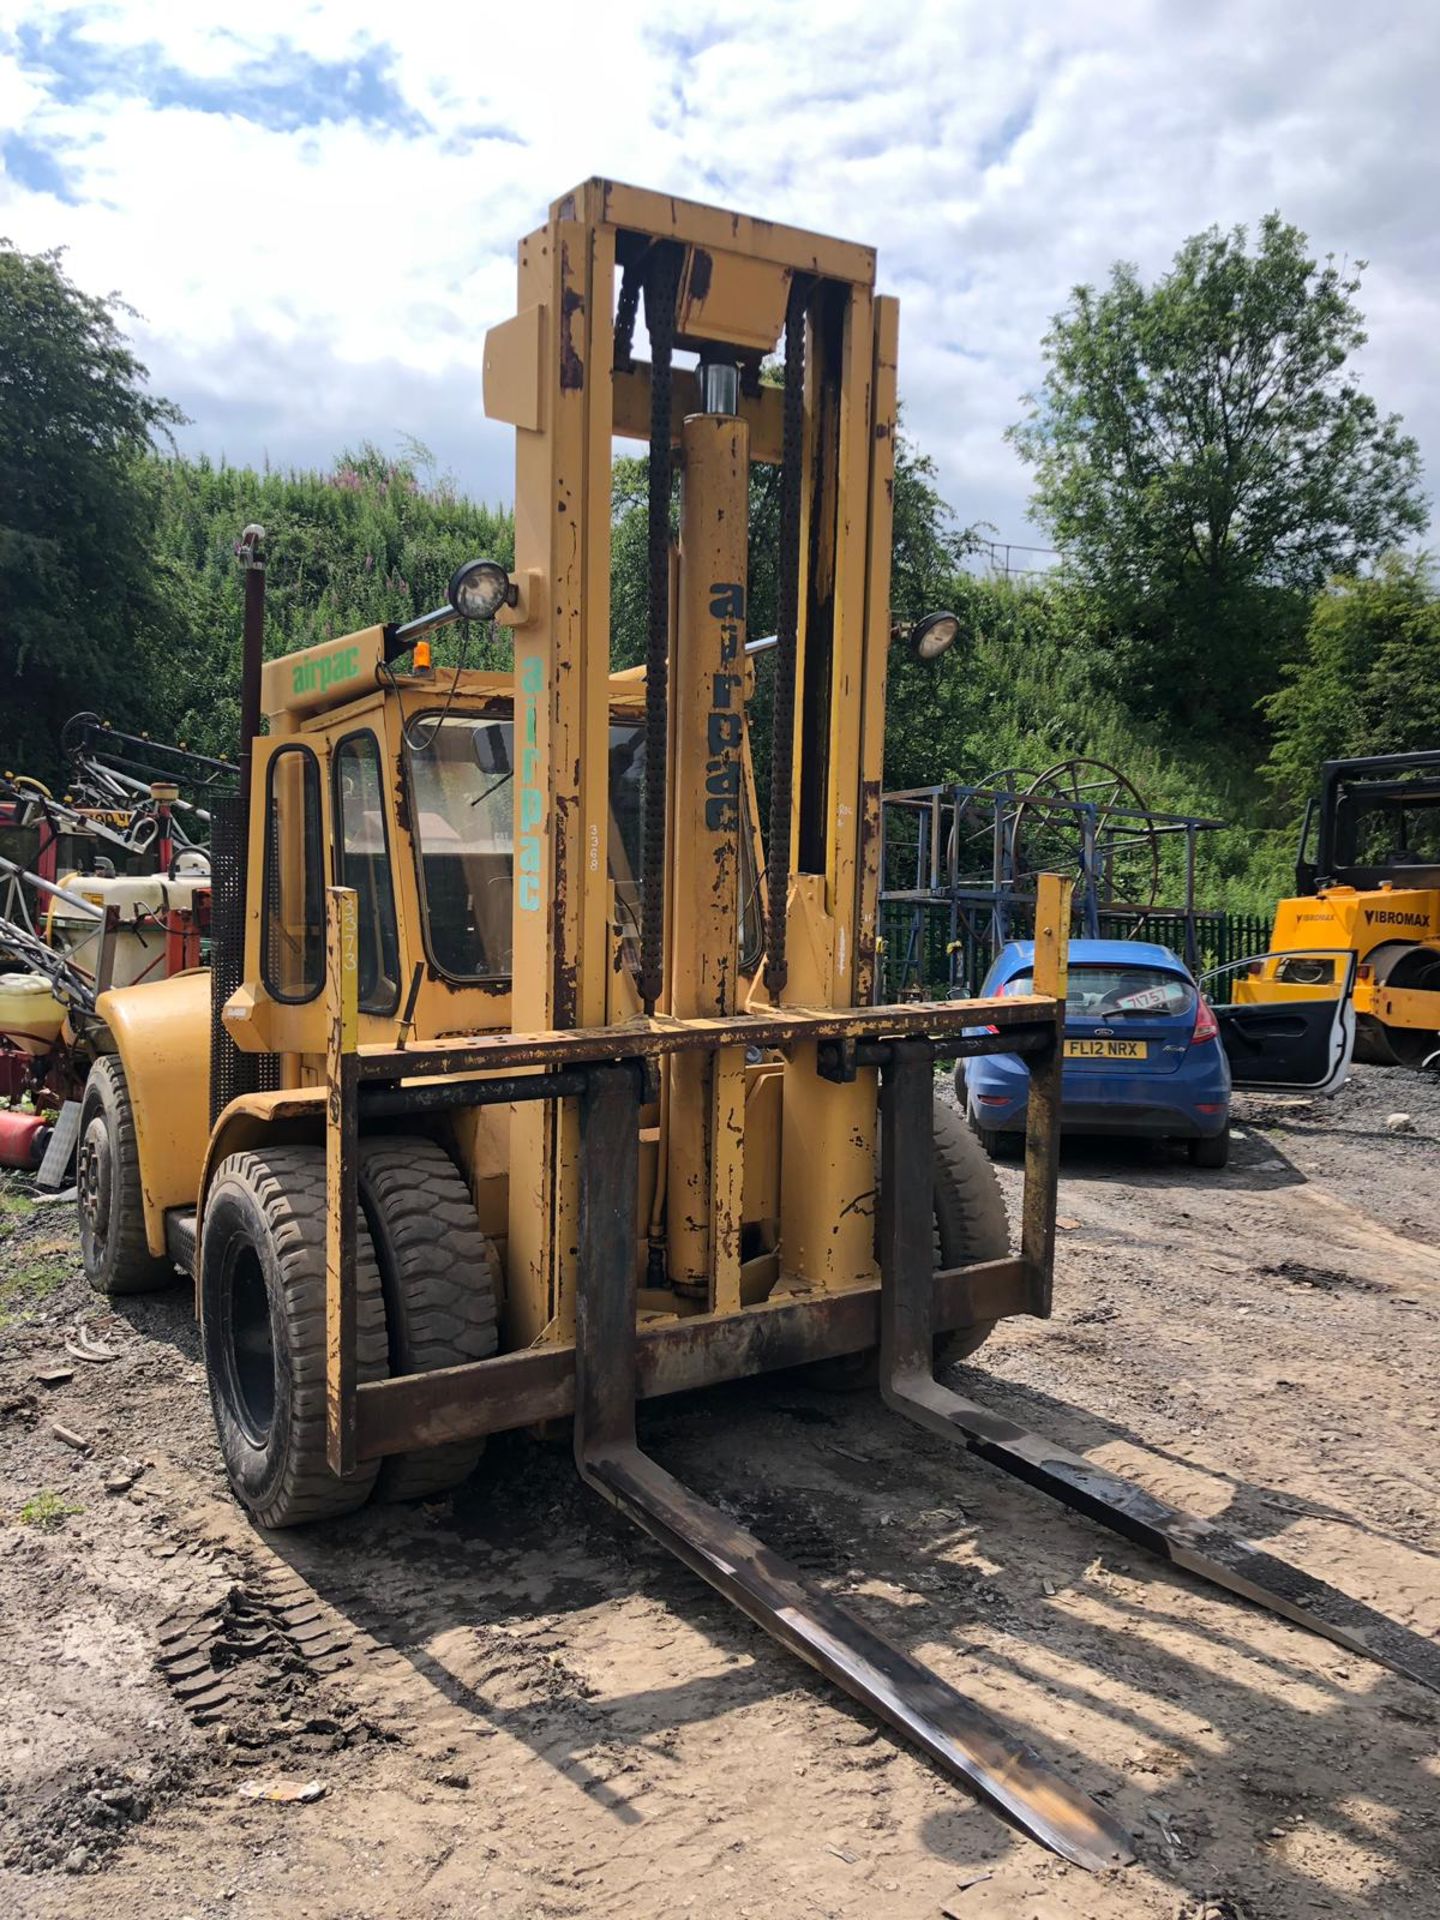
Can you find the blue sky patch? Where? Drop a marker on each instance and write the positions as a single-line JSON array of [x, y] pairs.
[[997, 146], [283, 91], [29, 163]]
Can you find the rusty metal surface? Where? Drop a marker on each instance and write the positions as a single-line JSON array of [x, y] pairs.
[[446, 1096], [660, 290], [787, 615], [679, 1356], [718, 229], [342, 1157], [503, 1052], [960, 1737], [840, 1058], [908, 1384], [1042, 1113]]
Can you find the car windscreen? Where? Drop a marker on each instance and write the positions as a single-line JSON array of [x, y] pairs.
[[1117, 990]]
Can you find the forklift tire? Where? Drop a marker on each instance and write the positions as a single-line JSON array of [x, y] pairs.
[[1214, 1152], [970, 1225], [970, 1221], [116, 1255], [441, 1279], [262, 1308]]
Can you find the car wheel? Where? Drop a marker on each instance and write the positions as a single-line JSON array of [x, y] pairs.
[[999, 1146], [1214, 1152]]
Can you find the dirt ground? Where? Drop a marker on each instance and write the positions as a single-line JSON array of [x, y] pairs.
[[513, 1703]]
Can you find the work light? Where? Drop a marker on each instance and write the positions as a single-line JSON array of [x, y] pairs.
[[479, 589], [931, 636]]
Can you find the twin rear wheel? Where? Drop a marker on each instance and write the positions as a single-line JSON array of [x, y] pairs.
[[426, 1287]]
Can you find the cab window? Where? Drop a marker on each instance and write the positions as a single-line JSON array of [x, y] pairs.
[[460, 775], [293, 942], [460, 772], [362, 861], [627, 839]]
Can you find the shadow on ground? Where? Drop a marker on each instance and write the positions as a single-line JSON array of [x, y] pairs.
[[1098, 1657]]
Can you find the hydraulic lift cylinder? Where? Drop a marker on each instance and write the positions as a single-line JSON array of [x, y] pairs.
[[707, 1092]]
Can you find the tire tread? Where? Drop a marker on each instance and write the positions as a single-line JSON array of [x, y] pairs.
[[441, 1276], [288, 1185], [130, 1266]]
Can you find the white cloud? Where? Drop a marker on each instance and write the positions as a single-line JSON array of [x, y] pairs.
[[320, 265]]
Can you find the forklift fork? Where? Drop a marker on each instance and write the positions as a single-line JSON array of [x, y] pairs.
[[959, 1736], [908, 1383]]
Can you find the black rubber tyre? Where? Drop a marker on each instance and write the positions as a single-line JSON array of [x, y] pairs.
[[970, 1224], [113, 1247], [970, 1220], [262, 1305], [441, 1281], [1214, 1152], [994, 1144]]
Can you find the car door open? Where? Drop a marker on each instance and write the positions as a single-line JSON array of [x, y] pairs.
[[1287, 1020]]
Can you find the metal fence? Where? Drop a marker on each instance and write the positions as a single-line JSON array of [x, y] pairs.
[[931, 954]]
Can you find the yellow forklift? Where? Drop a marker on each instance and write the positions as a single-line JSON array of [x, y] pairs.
[[525, 1082]]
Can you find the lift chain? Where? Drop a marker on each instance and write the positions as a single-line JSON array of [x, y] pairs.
[[787, 619], [661, 285], [630, 283]]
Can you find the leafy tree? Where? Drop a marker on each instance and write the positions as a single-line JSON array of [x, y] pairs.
[[1369, 680], [375, 539], [80, 609], [1203, 456]]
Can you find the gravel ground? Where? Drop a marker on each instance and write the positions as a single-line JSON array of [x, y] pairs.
[[512, 1703]]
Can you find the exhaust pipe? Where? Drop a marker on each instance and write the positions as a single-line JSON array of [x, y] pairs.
[[231, 1071], [248, 551]]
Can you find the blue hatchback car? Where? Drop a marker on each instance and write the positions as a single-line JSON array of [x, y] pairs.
[[1143, 1054]]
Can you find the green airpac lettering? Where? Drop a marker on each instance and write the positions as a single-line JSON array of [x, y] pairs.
[[318, 676]]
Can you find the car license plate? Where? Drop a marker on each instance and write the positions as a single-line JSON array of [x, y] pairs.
[[1106, 1049]]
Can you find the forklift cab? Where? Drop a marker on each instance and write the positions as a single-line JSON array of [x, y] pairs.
[[416, 804]]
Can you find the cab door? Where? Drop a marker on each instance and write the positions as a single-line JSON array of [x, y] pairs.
[[1287, 1020]]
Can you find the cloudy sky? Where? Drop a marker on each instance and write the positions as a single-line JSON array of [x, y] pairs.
[[314, 207]]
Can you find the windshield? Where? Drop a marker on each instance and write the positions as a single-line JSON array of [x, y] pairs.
[[1116, 990], [1388, 833], [462, 818], [462, 800]]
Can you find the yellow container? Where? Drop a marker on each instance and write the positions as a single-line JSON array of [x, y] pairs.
[[30, 1015]]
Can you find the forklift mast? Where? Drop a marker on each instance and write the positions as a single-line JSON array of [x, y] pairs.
[[564, 373]]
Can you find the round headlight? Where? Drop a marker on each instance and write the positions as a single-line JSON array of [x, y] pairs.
[[931, 636], [479, 589]]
